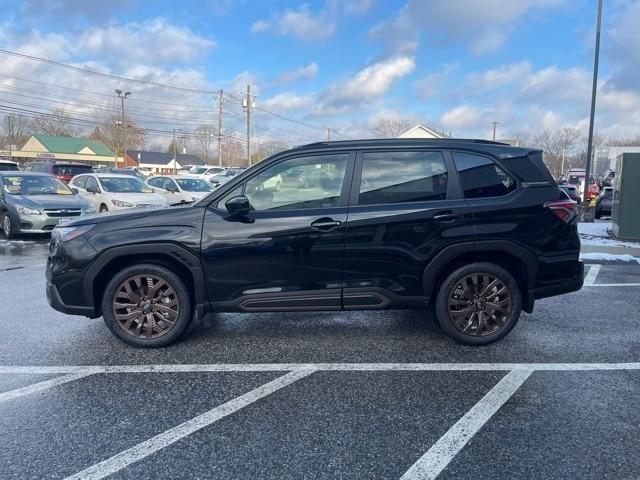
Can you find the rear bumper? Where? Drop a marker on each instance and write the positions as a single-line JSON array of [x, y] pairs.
[[563, 285]]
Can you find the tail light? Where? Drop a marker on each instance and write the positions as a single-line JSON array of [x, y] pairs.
[[565, 210]]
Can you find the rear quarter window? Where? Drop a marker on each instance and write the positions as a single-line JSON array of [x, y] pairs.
[[529, 168], [481, 177]]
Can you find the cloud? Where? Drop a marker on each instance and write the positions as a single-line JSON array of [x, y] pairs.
[[622, 45], [370, 82], [461, 117], [483, 25], [69, 10], [305, 72], [289, 101], [432, 84], [152, 41], [300, 23]]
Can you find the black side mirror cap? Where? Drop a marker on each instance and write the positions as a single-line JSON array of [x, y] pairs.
[[238, 205]]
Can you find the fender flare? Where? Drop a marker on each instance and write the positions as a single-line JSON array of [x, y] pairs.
[[450, 253], [176, 252]]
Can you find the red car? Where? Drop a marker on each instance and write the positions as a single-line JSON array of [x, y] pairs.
[[63, 171], [577, 179]]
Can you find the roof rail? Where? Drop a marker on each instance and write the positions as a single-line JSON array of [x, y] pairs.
[[404, 140]]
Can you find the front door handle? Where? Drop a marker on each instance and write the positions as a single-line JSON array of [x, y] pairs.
[[447, 217], [325, 224]]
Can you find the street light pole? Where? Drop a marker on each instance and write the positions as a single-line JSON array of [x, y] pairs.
[[122, 98], [594, 88], [494, 129]]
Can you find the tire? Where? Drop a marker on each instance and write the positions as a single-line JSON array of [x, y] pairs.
[[132, 326], [103, 208], [497, 322], [8, 227]]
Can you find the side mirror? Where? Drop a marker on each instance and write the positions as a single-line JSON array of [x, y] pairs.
[[238, 205], [92, 189]]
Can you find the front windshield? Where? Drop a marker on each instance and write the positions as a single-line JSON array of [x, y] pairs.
[[194, 185], [34, 185], [198, 170], [124, 185]]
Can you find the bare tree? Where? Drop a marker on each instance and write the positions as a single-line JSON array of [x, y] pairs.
[[233, 151], [266, 149], [558, 144], [624, 141], [391, 127], [204, 138], [16, 129], [55, 123], [111, 132]]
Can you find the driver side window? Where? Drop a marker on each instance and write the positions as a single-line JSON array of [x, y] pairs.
[[298, 183]]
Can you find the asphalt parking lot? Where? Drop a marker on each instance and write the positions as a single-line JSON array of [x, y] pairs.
[[321, 395]]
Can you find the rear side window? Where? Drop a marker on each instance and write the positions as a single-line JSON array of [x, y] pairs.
[[481, 177], [402, 176]]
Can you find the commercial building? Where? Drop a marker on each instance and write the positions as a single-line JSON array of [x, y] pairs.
[[160, 162], [605, 157], [69, 149]]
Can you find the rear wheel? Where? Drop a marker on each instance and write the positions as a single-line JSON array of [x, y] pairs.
[[478, 304], [8, 228], [146, 306]]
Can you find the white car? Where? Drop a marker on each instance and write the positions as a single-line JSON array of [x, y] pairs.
[[223, 177], [180, 188], [109, 191], [206, 171]]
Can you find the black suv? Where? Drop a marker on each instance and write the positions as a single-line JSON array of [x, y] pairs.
[[480, 229]]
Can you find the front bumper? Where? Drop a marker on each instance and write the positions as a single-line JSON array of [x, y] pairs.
[[55, 301], [40, 223]]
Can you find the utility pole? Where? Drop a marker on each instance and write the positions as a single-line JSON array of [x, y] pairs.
[[562, 165], [594, 87], [123, 125], [494, 129], [220, 111], [175, 158], [248, 104], [328, 134]]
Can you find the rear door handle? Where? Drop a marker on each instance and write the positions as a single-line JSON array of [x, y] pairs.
[[447, 217], [325, 224]]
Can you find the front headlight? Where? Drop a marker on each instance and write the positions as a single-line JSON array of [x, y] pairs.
[[88, 211], [27, 211], [69, 233], [121, 204]]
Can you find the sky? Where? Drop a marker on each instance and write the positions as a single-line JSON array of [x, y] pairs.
[[454, 65]]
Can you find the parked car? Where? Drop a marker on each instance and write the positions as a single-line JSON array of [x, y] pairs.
[[180, 188], [223, 177], [572, 192], [604, 202], [478, 228], [111, 191], [606, 179], [63, 171], [122, 171], [8, 166], [206, 171], [36, 202], [577, 179]]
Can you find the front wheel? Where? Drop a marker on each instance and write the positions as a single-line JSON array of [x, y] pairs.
[[146, 305], [8, 229], [478, 304]]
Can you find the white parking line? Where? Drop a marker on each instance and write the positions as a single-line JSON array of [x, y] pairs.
[[37, 387], [613, 285], [442, 452], [590, 278], [286, 367], [146, 448]]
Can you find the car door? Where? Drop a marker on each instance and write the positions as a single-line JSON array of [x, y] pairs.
[[287, 252], [159, 185], [95, 197], [406, 206]]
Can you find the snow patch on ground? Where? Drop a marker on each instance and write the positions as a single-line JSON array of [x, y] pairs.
[[596, 235], [609, 257]]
